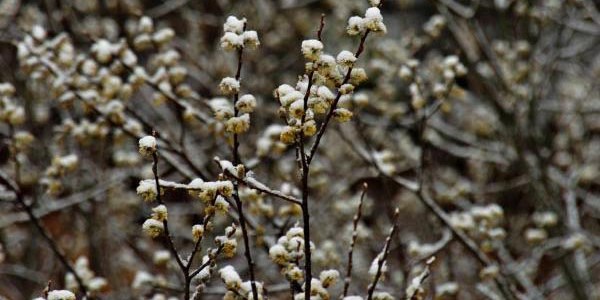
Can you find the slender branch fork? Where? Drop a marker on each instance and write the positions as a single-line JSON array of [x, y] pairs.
[[184, 266], [383, 255], [306, 158], [353, 242]]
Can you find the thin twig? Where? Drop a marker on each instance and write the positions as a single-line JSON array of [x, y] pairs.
[[383, 255], [353, 242]]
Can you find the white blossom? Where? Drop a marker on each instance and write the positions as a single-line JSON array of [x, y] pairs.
[[160, 213], [141, 279], [147, 189], [153, 227], [197, 231], [234, 25], [103, 51], [230, 277], [346, 58], [147, 146], [161, 257], [229, 86], [239, 124], [232, 41], [356, 25], [222, 108], [311, 49], [342, 115], [145, 25], [278, 254], [246, 103], [374, 20], [163, 36], [329, 277], [61, 295], [250, 38]]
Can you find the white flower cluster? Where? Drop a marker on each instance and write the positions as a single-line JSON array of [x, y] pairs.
[[300, 105], [206, 273], [513, 62], [292, 104], [288, 251], [10, 113], [383, 296], [447, 290], [230, 277], [451, 67], [197, 232], [160, 213], [236, 288], [143, 280], [95, 78], [269, 143], [161, 257], [147, 146], [386, 160], [542, 221], [229, 86], [106, 77], [318, 288], [312, 49], [227, 243], [575, 241], [58, 295], [329, 278], [435, 25], [145, 35], [153, 227], [482, 223], [228, 168], [489, 272], [60, 166], [372, 21], [147, 189], [208, 190], [236, 37], [289, 248], [124, 158], [256, 202], [93, 283], [222, 108]]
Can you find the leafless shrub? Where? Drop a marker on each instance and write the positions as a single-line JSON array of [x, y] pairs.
[[297, 149]]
